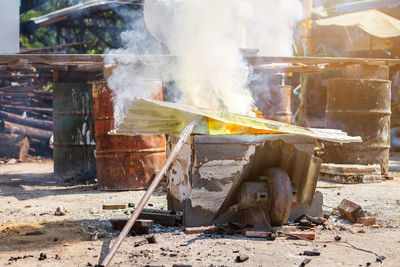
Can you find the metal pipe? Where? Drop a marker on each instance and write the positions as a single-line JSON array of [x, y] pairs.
[[174, 153]]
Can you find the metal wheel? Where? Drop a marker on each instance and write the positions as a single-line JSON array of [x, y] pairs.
[[280, 190]]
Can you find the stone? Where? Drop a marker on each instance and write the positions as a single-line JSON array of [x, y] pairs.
[[60, 211]]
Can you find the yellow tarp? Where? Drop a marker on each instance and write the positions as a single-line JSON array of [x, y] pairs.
[[372, 21], [146, 116]]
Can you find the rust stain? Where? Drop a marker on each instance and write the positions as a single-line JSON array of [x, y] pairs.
[[123, 162]]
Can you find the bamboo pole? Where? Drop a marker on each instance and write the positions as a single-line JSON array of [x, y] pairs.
[[174, 153]]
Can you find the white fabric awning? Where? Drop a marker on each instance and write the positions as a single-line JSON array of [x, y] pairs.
[[372, 21]]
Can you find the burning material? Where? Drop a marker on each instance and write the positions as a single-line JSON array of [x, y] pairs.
[[151, 116]]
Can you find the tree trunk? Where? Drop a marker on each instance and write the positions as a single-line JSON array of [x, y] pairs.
[[27, 131], [43, 124], [10, 145]]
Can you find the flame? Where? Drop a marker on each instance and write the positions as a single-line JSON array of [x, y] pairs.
[[216, 127]]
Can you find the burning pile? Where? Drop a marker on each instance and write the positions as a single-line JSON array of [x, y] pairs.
[[208, 39]]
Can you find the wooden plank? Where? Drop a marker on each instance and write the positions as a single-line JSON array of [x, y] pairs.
[[255, 60], [260, 60], [199, 230], [350, 178], [47, 110], [114, 207], [349, 169]]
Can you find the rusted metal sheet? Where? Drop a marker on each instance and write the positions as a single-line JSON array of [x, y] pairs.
[[360, 107], [73, 124], [123, 162], [205, 170], [274, 101]]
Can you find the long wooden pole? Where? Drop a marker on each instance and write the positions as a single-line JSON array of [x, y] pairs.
[[27, 130], [174, 153], [255, 60]]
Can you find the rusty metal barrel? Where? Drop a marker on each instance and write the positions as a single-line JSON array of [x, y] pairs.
[[73, 124], [123, 162], [274, 101], [360, 107]]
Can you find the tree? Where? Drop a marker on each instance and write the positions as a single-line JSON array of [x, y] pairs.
[[90, 33]]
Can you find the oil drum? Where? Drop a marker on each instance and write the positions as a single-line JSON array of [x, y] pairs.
[[360, 107], [73, 127], [123, 162], [274, 101]]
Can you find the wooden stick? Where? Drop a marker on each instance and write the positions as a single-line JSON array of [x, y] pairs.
[[174, 153]]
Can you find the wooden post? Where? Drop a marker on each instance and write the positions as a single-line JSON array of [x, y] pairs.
[[174, 153]]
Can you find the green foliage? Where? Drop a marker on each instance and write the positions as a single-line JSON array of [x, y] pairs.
[[96, 32], [30, 14], [48, 86]]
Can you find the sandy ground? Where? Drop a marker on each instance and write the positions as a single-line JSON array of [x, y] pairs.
[[30, 194]]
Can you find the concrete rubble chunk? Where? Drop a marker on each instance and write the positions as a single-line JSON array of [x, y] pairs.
[[350, 210]]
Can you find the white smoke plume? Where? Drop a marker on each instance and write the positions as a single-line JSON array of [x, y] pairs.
[[206, 37]]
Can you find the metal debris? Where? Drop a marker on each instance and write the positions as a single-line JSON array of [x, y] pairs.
[[242, 258]]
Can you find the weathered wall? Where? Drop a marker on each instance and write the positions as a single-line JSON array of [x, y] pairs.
[[9, 26]]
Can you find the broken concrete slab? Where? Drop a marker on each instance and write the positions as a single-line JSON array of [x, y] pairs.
[[315, 210], [350, 173]]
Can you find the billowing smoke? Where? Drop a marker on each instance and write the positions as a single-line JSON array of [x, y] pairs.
[[206, 36]]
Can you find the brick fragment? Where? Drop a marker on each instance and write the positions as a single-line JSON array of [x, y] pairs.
[[350, 210], [367, 221], [304, 234]]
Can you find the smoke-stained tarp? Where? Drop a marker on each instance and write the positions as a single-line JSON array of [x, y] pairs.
[[372, 21], [146, 116]]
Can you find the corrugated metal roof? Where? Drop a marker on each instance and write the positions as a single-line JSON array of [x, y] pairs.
[[366, 5], [81, 9]]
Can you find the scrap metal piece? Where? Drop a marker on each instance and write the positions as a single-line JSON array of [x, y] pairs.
[[280, 193], [146, 116], [301, 167]]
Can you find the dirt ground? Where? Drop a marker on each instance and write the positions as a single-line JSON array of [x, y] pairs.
[[30, 194]]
